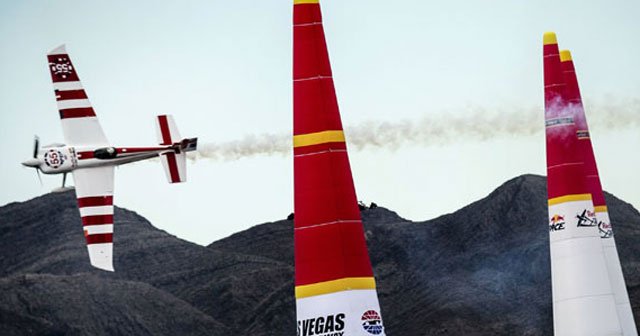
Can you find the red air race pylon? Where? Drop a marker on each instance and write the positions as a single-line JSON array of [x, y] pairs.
[[573, 98], [583, 300], [335, 288]]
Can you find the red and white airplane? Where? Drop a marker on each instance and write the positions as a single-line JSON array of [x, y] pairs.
[[89, 156]]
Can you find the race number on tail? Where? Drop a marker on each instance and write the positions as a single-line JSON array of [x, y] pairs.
[[175, 162]]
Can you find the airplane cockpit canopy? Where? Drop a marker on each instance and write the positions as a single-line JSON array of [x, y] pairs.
[[105, 153]]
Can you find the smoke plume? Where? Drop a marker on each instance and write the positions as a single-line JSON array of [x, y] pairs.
[[468, 124]]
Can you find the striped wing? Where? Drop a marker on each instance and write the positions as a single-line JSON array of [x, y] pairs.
[[94, 190], [79, 122]]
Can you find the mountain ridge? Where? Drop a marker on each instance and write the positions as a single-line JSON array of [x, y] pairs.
[[481, 270]]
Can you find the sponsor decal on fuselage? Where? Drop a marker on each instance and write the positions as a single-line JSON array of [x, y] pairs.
[[330, 325], [74, 156], [54, 158]]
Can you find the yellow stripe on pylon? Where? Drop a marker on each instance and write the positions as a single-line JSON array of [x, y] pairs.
[[570, 198], [298, 2], [334, 286], [601, 208], [318, 138]]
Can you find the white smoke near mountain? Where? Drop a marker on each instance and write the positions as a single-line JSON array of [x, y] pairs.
[[467, 124]]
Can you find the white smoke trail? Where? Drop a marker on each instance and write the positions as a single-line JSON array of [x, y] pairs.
[[250, 145], [469, 124]]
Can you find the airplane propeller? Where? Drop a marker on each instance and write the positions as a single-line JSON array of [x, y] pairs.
[[36, 146], [34, 162], [39, 177]]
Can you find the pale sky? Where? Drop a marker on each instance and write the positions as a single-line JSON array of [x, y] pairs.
[[223, 69]]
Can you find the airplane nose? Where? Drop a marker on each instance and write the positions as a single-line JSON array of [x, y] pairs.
[[31, 163]]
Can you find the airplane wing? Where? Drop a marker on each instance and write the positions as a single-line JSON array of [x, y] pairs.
[[94, 190], [79, 122]]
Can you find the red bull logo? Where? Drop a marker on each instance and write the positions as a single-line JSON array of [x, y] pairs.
[[556, 223]]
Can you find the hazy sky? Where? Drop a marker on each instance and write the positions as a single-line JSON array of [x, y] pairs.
[[448, 95]]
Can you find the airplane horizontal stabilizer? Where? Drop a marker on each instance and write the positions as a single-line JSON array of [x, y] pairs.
[[175, 166], [174, 163]]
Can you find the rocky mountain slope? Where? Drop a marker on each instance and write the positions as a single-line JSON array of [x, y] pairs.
[[483, 270]]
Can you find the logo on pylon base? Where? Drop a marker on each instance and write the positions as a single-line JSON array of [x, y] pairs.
[[587, 218], [605, 229], [372, 322], [556, 223]]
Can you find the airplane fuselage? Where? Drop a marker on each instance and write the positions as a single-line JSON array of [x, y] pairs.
[[64, 159]]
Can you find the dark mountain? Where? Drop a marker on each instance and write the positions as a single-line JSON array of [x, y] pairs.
[[483, 270], [84, 304]]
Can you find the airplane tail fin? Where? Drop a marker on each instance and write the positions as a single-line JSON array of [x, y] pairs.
[[174, 163]]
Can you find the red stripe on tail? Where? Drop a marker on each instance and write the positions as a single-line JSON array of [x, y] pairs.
[[97, 220], [100, 238], [173, 167], [77, 113], [95, 201], [164, 129]]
